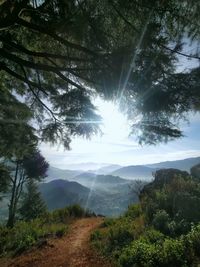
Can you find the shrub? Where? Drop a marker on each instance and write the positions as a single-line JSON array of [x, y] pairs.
[[59, 216], [133, 211], [108, 222], [174, 253], [169, 253], [192, 240], [140, 254], [161, 221], [26, 234], [76, 211], [96, 235], [152, 236], [120, 234]]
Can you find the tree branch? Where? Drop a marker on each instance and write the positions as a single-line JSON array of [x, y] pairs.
[[42, 54], [21, 78], [39, 100], [37, 66], [56, 37], [179, 53]]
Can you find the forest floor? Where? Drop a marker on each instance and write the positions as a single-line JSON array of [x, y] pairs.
[[72, 250]]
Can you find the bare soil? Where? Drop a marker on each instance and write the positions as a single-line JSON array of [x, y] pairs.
[[72, 250]]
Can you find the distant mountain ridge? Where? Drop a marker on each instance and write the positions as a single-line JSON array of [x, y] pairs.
[[56, 173], [183, 165], [146, 171], [127, 172], [135, 172]]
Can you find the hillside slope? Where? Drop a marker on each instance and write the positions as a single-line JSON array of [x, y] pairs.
[[60, 193], [73, 250]]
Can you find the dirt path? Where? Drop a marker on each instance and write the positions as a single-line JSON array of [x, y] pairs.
[[73, 250]]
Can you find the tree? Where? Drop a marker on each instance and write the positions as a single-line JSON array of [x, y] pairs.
[[30, 167], [137, 186], [195, 171], [58, 54], [4, 179], [32, 205]]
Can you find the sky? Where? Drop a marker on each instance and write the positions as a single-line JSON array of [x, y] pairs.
[[115, 146]]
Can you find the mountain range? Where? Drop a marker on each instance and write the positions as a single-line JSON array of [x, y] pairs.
[[105, 195], [127, 172], [107, 190]]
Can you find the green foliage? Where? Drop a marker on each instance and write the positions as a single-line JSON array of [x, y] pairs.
[[96, 235], [4, 178], [195, 171], [161, 221], [170, 253], [133, 211], [108, 222], [27, 167], [48, 53], [169, 237], [140, 254], [59, 215], [120, 234], [77, 211], [171, 202], [64, 215], [26, 234], [32, 205]]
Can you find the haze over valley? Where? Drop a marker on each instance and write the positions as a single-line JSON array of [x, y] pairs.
[[107, 190]]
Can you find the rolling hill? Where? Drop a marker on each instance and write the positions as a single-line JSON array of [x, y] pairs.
[[56, 173], [134, 172], [101, 200], [60, 193], [108, 169]]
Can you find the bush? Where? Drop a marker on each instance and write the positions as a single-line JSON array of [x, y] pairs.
[[108, 222], [96, 235], [161, 221], [192, 240], [76, 211], [133, 211], [58, 216], [171, 253], [120, 234], [140, 254], [26, 234], [152, 236]]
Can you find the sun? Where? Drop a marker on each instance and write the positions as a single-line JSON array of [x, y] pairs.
[[115, 126]]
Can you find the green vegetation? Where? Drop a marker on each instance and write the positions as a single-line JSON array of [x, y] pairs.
[[26, 167], [162, 230], [32, 205], [35, 232], [57, 51]]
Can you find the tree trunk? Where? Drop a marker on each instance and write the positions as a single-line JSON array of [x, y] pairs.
[[12, 206]]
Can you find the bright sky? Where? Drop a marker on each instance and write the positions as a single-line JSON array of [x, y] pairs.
[[116, 147]]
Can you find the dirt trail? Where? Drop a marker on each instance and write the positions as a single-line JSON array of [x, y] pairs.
[[73, 250]]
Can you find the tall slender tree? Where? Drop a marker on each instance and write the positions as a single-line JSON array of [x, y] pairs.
[[29, 167], [32, 204]]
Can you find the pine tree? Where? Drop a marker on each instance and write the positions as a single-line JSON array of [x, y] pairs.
[[32, 205], [58, 54], [30, 167]]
